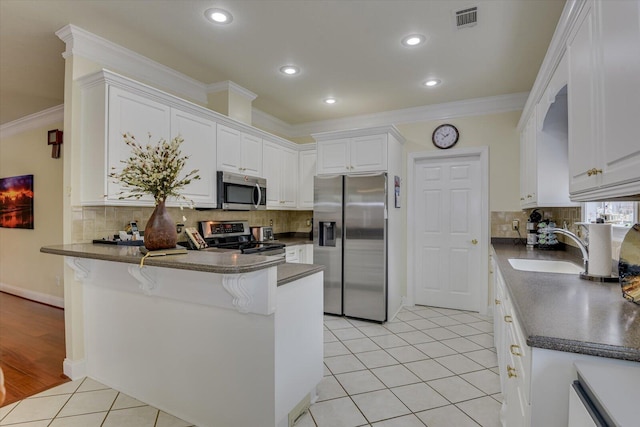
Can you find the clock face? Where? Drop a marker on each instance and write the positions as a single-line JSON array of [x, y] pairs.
[[445, 136]]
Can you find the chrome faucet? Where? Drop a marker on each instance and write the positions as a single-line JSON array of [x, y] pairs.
[[582, 245]]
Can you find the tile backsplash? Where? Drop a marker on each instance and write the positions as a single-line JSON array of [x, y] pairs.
[[501, 221], [97, 222]]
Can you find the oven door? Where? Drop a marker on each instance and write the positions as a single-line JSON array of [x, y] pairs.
[[241, 192]]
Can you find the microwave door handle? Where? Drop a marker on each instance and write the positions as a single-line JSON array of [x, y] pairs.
[[259, 196]]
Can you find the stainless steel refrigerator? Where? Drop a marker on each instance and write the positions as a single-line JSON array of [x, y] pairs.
[[350, 240]]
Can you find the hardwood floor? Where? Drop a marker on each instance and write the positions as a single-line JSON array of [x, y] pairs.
[[31, 346]]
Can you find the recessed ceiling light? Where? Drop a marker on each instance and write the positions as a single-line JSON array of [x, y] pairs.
[[432, 82], [330, 101], [218, 16], [413, 40], [290, 70]]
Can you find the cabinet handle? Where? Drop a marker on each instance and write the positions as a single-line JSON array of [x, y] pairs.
[[511, 372], [508, 319], [474, 242], [593, 171], [529, 196], [521, 198], [498, 302], [515, 350]]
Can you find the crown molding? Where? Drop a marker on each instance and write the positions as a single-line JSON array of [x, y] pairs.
[[271, 123], [449, 110], [552, 58], [230, 86], [33, 121], [87, 45], [351, 133]]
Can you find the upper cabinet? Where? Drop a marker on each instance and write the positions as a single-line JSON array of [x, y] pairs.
[[357, 151], [112, 106], [239, 152], [280, 166], [604, 101], [587, 93], [199, 134], [306, 174]]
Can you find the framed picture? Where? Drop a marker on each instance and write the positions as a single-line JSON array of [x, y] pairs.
[[16, 202], [396, 188]]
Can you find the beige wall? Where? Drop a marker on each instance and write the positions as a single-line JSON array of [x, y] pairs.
[[496, 131], [23, 269]]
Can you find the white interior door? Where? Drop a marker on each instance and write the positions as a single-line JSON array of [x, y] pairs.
[[447, 253]]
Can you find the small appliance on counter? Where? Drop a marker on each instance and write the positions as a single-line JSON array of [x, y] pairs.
[[262, 234], [532, 228]]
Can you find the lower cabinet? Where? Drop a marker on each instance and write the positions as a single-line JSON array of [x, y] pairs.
[[302, 254]]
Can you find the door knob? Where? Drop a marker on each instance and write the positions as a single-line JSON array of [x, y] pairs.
[[474, 241]]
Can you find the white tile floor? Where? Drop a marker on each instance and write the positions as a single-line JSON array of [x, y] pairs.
[[430, 366]]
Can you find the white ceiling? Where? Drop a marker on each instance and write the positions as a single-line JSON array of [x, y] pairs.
[[349, 49]]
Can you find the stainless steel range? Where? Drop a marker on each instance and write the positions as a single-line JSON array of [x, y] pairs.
[[237, 235]]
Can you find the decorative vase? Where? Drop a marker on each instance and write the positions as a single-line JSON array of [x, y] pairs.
[[160, 231]]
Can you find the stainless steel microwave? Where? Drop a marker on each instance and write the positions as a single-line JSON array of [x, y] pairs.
[[241, 192]]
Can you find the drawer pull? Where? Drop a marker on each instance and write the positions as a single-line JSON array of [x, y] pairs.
[[508, 319], [511, 372], [515, 350], [498, 302]]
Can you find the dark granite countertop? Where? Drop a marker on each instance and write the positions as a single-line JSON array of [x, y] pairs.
[[293, 239], [210, 261], [288, 272], [563, 312]]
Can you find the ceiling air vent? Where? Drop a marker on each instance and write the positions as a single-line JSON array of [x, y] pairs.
[[467, 17]]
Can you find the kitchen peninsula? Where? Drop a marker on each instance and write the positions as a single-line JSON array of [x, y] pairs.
[[214, 338]]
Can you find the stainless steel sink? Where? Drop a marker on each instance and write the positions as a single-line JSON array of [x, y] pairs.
[[545, 266]]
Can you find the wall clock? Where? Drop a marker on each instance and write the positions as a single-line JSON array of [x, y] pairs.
[[445, 136]]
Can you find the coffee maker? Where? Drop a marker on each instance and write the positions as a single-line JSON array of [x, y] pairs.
[[532, 228]]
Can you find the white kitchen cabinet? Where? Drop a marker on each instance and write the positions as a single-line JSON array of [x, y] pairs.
[[528, 164], [544, 180], [352, 155], [306, 174], [238, 151], [147, 120], [199, 134], [299, 254], [280, 166], [514, 358], [604, 100]]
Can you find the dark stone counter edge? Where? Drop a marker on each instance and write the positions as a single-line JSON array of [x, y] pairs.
[[170, 261], [290, 272], [581, 347]]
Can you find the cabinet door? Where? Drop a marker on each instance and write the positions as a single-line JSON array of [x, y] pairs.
[[288, 178], [306, 172], [368, 153], [292, 254], [271, 171], [141, 117], [229, 153], [251, 155], [333, 156], [620, 82], [199, 144], [582, 103]]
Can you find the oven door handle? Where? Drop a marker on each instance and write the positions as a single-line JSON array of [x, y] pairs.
[[259, 196]]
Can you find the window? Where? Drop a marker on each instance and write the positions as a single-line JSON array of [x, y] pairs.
[[617, 213]]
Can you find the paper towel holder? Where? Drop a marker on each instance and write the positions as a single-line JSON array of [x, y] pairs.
[[585, 257]]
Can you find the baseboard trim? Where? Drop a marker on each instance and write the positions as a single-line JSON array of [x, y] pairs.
[[74, 369], [32, 295]]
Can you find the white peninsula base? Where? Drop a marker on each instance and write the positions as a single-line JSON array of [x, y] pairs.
[[217, 350]]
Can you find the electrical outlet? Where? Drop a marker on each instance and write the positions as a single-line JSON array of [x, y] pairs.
[[515, 225], [270, 223], [308, 222]]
